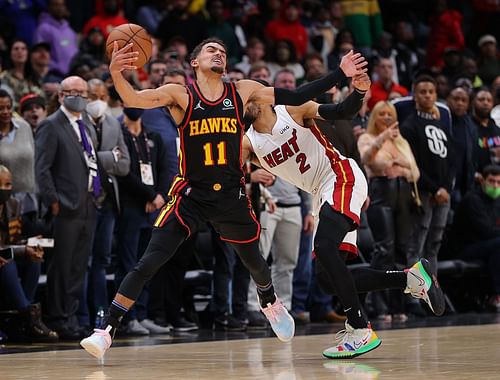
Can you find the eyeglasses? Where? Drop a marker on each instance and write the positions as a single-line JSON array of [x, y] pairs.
[[83, 94]]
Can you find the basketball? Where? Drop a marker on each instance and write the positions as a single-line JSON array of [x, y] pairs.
[[127, 33]]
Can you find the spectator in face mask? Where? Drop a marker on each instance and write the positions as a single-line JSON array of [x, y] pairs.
[[114, 157], [69, 183], [19, 275], [476, 228]]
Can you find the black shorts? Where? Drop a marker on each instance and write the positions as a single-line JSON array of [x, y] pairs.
[[227, 209]]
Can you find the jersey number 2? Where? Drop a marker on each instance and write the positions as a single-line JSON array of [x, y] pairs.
[[301, 160], [221, 154]]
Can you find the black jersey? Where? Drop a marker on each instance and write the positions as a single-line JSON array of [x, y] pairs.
[[211, 139]]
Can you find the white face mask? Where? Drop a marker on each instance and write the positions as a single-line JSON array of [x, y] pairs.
[[96, 108]]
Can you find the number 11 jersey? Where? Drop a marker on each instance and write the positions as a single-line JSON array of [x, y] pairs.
[[211, 138]]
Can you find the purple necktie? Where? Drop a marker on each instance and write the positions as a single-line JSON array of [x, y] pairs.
[[96, 182]]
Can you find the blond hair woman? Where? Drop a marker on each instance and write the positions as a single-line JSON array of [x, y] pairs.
[[391, 170]]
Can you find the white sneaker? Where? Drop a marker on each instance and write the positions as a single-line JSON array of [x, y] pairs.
[[135, 328], [352, 342], [97, 344], [153, 328], [281, 321], [422, 283]]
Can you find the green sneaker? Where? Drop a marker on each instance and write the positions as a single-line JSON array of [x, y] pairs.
[[352, 342], [422, 283]]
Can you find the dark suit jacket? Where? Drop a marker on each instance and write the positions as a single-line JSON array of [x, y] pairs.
[[60, 167]]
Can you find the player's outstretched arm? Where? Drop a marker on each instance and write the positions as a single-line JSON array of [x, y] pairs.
[[124, 59], [352, 64], [345, 110]]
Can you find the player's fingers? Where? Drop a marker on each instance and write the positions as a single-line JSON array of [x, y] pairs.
[[133, 56], [125, 48], [356, 56], [115, 47], [359, 60], [349, 54], [361, 64], [129, 67]]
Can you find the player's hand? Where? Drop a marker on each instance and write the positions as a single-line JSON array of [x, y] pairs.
[[353, 64], [34, 254], [262, 176], [122, 59], [361, 82], [308, 224]]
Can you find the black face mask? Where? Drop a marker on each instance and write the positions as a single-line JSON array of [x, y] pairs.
[[4, 196]]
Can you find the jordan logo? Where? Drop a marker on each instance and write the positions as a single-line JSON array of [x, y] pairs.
[[199, 107], [242, 194]]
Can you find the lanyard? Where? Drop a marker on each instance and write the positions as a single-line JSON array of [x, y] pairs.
[[136, 146]]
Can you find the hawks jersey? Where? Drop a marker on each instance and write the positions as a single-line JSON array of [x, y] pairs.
[[305, 158], [210, 138]]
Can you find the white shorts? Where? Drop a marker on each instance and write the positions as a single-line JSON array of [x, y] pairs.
[[346, 192]]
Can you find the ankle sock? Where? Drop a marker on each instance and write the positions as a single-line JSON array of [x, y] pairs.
[[266, 294]]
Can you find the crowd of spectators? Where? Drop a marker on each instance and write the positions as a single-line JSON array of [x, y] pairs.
[[78, 166]]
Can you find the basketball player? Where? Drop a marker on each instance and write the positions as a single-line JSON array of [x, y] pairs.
[[210, 185], [304, 157]]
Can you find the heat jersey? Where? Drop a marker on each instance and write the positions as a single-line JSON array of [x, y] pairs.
[[210, 139], [305, 158]]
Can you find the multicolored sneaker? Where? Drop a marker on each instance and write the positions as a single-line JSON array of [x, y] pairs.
[[97, 344], [352, 342], [422, 283], [281, 321]]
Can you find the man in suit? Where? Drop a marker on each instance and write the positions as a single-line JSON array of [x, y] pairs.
[[68, 179], [113, 155]]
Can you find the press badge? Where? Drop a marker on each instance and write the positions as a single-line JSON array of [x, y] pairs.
[[147, 174]]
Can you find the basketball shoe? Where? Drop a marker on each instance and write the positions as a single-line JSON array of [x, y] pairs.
[[97, 344], [352, 342], [422, 283], [281, 321]]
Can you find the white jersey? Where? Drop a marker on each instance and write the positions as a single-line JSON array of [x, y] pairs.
[[305, 158], [293, 153]]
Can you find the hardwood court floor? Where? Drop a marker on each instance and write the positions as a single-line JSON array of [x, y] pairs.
[[452, 353]]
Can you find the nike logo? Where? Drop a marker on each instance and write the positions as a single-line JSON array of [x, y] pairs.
[[198, 106], [357, 345]]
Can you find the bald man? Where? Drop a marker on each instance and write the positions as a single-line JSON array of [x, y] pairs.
[[69, 184]]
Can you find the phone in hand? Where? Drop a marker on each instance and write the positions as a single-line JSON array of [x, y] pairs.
[[40, 242], [7, 253]]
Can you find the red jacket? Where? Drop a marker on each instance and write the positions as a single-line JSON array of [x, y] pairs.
[[105, 23], [378, 93], [446, 32], [295, 32]]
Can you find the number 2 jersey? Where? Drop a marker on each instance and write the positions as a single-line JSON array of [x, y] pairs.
[[210, 139], [305, 158]]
